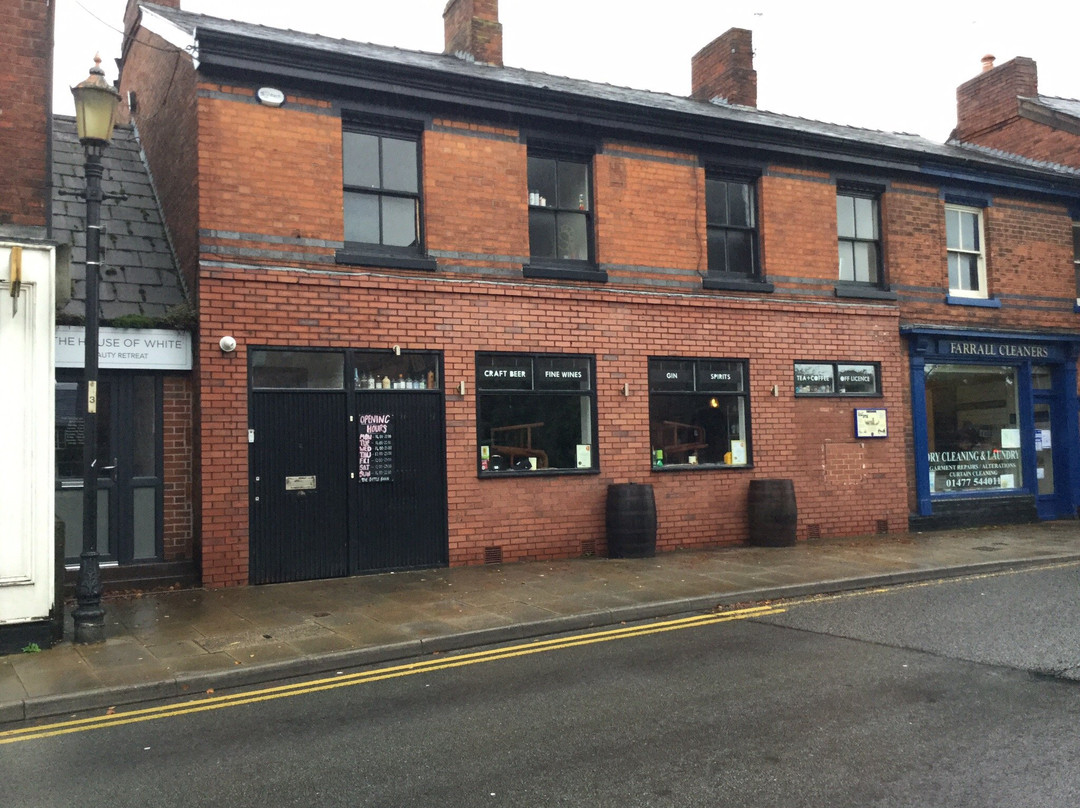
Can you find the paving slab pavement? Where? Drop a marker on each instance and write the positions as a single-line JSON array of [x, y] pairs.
[[166, 644]]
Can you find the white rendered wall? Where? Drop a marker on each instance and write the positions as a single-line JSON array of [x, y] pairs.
[[26, 436]]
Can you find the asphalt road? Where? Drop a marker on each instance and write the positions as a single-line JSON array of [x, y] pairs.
[[918, 696]]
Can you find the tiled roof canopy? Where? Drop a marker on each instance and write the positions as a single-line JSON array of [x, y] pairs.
[[139, 274]]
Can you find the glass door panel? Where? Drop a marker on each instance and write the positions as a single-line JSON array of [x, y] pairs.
[[1044, 448]]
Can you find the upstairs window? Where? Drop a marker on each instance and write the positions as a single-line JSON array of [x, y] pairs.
[[731, 223], [967, 260], [560, 210], [858, 234], [382, 191]]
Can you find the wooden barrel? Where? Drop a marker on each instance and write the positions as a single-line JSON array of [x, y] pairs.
[[773, 515], [631, 521]]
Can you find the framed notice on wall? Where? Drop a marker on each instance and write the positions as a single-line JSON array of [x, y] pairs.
[[871, 423]]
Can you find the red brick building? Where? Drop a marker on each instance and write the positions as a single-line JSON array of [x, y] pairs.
[[444, 304]]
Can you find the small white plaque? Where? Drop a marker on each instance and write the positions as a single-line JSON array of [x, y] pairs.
[[304, 482]]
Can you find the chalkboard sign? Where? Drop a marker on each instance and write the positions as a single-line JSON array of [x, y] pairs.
[[376, 448]]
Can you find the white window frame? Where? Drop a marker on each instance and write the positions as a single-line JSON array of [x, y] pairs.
[[980, 253]]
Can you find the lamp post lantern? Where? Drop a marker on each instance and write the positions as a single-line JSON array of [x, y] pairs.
[[95, 114]]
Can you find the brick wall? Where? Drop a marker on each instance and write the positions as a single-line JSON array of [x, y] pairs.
[[1035, 140], [798, 224], [482, 213], [25, 123], [649, 215], [650, 210], [1028, 262], [163, 81], [177, 448], [844, 486]]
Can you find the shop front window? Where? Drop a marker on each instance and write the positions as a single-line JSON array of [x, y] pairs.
[[535, 413], [698, 412], [973, 430]]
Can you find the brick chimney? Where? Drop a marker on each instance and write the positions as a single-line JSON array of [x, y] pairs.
[[725, 69], [990, 100], [473, 30]]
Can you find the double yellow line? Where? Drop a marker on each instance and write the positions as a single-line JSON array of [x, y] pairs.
[[376, 675]]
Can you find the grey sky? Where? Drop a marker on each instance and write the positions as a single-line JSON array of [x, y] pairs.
[[890, 66]]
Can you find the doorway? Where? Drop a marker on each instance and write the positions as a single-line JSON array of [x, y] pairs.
[[129, 468], [346, 478], [1052, 495]]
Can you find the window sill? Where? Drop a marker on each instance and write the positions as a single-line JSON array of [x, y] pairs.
[[863, 291], [979, 302], [558, 272], [735, 283], [487, 475], [701, 467], [356, 258], [839, 395]]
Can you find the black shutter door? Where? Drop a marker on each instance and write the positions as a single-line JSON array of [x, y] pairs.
[[401, 481], [299, 486]]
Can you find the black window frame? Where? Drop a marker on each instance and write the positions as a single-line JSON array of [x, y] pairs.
[[713, 224], [378, 253], [551, 266], [835, 390], [692, 383], [878, 281], [487, 388]]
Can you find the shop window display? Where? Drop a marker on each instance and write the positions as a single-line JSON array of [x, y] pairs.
[[535, 413], [698, 413], [973, 430]]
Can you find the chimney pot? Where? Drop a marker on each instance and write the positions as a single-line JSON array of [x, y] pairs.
[[988, 62]]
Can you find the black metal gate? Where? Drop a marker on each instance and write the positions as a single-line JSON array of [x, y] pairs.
[[401, 515], [299, 486]]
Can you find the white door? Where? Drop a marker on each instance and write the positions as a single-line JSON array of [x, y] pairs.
[[26, 433]]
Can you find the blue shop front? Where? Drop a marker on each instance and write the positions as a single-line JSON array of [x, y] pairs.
[[995, 426]]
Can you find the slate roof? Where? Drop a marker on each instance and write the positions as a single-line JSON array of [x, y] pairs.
[[139, 272], [907, 147], [1066, 106]]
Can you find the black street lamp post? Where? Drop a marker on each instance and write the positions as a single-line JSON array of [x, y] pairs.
[[95, 113]]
